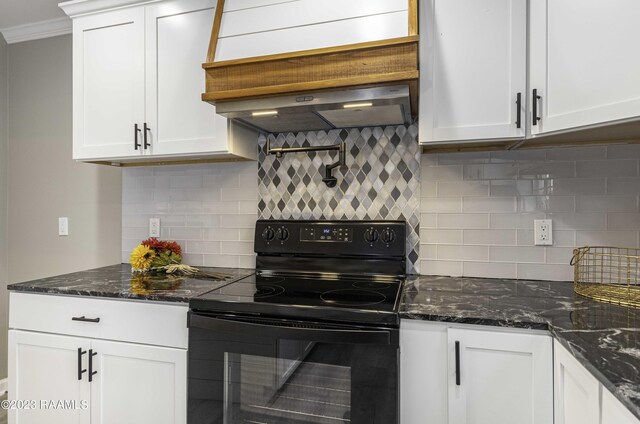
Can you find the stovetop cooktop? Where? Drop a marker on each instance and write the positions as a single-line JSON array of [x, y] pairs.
[[360, 299]]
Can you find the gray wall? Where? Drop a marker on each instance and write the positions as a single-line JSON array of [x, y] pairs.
[[4, 273], [45, 183]]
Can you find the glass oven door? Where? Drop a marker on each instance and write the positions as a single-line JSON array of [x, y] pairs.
[[268, 371]]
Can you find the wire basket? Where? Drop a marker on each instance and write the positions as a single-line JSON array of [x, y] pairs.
[[608, 274]]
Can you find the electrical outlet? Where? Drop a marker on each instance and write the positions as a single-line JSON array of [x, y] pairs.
[[542, 232], [154, 227], [63, 226]]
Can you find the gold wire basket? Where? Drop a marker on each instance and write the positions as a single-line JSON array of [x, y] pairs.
[[608, 274]]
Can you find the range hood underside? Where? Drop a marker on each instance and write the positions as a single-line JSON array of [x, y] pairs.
[[388, 105]]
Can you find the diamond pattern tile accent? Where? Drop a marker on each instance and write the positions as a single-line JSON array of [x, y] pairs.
[[381, 179]]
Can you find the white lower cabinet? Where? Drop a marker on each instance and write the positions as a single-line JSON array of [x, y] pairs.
[[43, 367], [576, 391], [613, 412], [100, 381], [474, 375], [580, 398]]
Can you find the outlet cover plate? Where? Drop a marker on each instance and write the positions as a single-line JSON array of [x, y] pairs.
[[154, 227], [543, 232]]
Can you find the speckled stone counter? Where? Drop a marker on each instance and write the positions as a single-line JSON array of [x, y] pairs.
[[117, 281], [603, 337]]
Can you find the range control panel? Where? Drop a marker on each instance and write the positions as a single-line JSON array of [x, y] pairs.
[[328, 233], [384, 238]]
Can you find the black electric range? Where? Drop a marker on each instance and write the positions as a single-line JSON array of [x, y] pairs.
[[311, 338], [334, 271]]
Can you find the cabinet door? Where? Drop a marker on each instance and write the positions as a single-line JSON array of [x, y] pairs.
[[503, 378], [582, 63], [473, 57], [576, 391], [177, 42], [108, 83], [138, 384], [613, 412], [423, 372], [44, 367]]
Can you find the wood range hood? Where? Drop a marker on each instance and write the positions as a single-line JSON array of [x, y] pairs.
[[309, 65]]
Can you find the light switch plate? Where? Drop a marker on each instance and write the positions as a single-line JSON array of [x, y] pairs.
[[543, 232], [63, 226]]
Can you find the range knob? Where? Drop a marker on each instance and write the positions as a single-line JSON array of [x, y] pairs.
[[268, 234], [388, 236], [282, 234], [371, 235]]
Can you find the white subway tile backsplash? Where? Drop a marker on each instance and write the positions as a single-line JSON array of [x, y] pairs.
[[542, 170], [517, 254], [489, 237], [193, 202], [606, 204], [623, 185], [441, 204], [607, 238], [451, 268], [489, 270], [428, 220], [551, 272], [545, 204], [464, 253], [607, 168], [489, 204], [591, 193], [559, 255], [577, 153], [463, 220], [441, 236], [462, 188], [514, 220], [623, 221]]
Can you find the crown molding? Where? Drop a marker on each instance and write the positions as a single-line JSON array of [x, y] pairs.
[[36, 30], [75, 8]]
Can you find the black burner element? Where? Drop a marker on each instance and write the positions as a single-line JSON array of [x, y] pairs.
[[266, 290], [350, 297]]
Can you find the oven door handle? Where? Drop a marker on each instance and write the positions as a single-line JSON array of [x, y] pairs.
[[283, 331]]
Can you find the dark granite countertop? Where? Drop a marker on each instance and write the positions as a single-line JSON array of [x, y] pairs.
[[117, 281], [605, 338]]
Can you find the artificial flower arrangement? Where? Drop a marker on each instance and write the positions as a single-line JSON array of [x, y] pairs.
[[155, 258]]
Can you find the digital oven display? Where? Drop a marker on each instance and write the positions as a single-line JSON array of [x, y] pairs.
[[327, 234]]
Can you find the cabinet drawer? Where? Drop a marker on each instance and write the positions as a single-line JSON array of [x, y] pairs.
[[139, 322]]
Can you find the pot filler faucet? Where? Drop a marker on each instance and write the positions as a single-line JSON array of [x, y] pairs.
[[328, 179]]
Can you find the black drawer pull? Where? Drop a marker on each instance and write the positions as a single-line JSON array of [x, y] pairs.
[[91, 371], [84, 319], [457, 363], [80, 370]]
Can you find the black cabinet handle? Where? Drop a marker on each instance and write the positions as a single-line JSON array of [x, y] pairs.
[[136, 130], [145, 138], [80, 370], [84, 319], [91, 371], [536, 118], [518, 111], [457, 363]]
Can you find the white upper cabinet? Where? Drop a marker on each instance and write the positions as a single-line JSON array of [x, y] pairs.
[[583, 62], [108, 84], [251, 28], [473, 58], [138, 81]]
